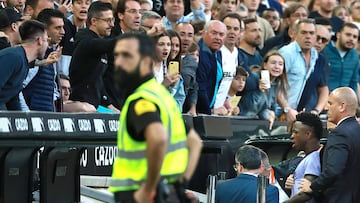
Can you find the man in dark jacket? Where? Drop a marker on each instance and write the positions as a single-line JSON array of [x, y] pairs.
[[209, 72], [339, 180], [41, 91], [15, 62], [90, 60], [242, 189]]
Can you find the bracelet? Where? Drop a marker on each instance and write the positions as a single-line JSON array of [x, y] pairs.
[[150, 196]]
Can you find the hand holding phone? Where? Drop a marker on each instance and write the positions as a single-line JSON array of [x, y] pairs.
[[173, 67]]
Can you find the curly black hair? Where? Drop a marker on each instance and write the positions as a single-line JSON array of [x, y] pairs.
[[313, 121]]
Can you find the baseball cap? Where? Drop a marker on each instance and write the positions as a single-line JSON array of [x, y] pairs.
[[8, 16]]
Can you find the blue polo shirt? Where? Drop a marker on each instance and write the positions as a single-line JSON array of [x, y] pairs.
[[296, 71]]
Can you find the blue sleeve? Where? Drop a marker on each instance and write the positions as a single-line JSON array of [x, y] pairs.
[[179, 93], [198, 15], [10, 64], [272, 194]]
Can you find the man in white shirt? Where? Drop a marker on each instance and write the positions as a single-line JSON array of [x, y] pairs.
[[229, 53]]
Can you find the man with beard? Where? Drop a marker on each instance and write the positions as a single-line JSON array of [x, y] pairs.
[[90, 60], [15, 62], [40, 88], [250, 41], [210, 71], [153, 145], [343, 58], [300, 59], [307, 131], [326, 8], [230, 52]]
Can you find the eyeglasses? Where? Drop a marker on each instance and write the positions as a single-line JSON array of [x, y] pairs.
[[322, 39], [107, 20], [133, 11]]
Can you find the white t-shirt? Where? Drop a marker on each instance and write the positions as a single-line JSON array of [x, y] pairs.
[[310, 165], [159, 75], [229, 64]]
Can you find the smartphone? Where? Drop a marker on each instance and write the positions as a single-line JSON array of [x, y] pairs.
[[265, 75], [173, 67]]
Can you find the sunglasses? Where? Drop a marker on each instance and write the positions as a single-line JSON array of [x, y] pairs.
[[322, 39]]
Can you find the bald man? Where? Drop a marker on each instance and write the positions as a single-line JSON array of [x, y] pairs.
[[339, 180]]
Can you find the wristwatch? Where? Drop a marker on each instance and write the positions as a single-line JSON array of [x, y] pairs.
[[286, 109]]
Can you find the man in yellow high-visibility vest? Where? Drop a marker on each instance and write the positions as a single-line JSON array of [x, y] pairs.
[[153, 143]]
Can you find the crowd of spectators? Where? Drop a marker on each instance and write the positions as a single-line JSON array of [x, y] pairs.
[[307, 49]]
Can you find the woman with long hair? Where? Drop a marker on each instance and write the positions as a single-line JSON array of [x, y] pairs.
[[164, 52], [263, 101]]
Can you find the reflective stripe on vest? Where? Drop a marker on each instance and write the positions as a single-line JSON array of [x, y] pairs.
[[130, 165], [142, 153]]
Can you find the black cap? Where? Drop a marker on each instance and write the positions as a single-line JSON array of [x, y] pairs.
[[8, 16]]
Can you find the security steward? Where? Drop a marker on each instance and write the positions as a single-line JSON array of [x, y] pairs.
[[157, 155]]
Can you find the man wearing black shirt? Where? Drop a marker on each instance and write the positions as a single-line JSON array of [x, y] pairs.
[[90, 60]]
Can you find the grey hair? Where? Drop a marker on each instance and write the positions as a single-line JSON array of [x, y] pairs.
[[208, 23], [149, 14], [249, 157], [147, 1]]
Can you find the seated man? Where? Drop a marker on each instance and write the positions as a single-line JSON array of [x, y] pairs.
[[72, 106], [243, 188]]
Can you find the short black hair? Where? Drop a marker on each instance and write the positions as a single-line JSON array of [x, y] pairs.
[[48, 13], [63, 76], [268, 9], [30, 29], [248, 21], [96, 8], [292, 9], [249, 157], [32, 3], [120, 8], [241, 71], [313, 121], [232, 15], [146, 44], [348, 24]]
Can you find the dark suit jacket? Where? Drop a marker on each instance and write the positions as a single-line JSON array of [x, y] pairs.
[[206, 74], [242, 189], [339, 180]]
